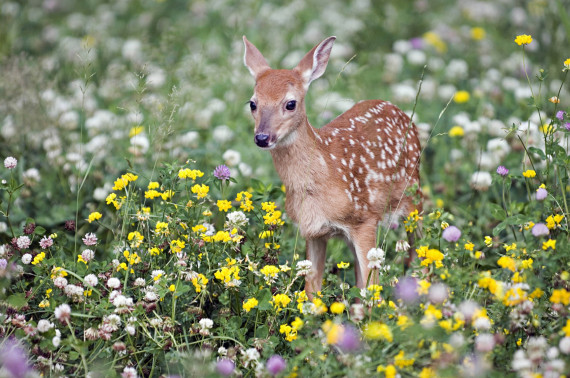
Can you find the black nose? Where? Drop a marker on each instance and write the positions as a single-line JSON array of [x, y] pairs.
[[262, 140]]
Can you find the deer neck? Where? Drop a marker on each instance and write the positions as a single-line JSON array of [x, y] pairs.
[[299, 161]]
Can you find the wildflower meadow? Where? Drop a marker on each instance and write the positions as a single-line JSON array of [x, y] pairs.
[[143, 234]]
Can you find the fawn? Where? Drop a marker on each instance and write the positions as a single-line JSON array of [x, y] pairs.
[[343, 179]]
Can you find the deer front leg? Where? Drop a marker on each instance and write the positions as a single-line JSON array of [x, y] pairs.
[[363, 239], [316, 254]]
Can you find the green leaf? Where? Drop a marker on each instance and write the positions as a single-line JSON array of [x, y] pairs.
[[39, 230], [497, 212], [537, 151], [262, 332], [264, 297], [17, 300]]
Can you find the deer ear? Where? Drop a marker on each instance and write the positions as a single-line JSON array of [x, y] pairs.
[[253, 60], [313, 65]]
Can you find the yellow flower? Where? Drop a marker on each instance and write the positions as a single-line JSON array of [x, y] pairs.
[[529, 173], [537, 293], [554, 100], [560, 296], [549, 244], [510, 247], [249, 304], [456, 131], [136, 130], [167, 195], [402, 362], [38, 258], [172, 288], [377, 331], [469, 246], [280, 301], [199, 281], [423, 287], [124, 180], [403, 322], [94, 216], [567, 64], [566, 328], [488, 241], [333, 331], [58, 272], [153, 185], [265, 234], [270, 272], [44, 303], [461, 97], [507, 263], [190, 173], [477, 33], [523, 39], [177, 245], [161, 228], [135, 238], [553, 221], [200, 190], [427, 373], [342, 265], [224, 205], [337, 308], [435, 40]]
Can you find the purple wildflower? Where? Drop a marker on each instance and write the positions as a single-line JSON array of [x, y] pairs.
[[29, 228], [541, 194], [349, 340], [222, 172], [225, 367], [501, 170], [560, 114], [451, 234], [90, 239], [540, 229], [13, 359], [276, 364], [406, 289], [567, 126], [10, 162], [417, 43], [3, 264]]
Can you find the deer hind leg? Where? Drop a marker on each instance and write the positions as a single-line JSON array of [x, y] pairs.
[[362, 238], [316, 254]]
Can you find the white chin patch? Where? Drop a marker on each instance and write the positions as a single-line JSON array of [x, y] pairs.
[[287, 139]]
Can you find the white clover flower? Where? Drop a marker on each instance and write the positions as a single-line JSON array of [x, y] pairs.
[[10, 162], [402, 246], [481, 181], [520, 362], [237, 219], [60, 282], [122, 301], [44, 325], [23, 242], [206, 323], [564, 345], [231, 158], [75, 292], [26, 259], [482, 324], [376, 258], [139, 282], [62, 312], [304, 267], [113, 283], [87, 255], [130, 329], [150, 296], [484, 342], [129, 372], [222, 134], [91, 280]]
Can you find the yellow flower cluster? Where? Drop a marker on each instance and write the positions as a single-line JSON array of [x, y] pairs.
[[523, 39], [177, 245], [333, 331], [112, 199], [290, 331], [227, 275], [245, 201], [553, 221], [39, 258], [374, 291], [342, 265], [273, 216], [122, 182], [377, 331], [514, 296], [411, 223], [186, 173], [529, 173], [161, 228], [199, 281], [269, 272], [200, 190], [94, 216], [224, 205], [507, 262], [57, 272], [560, 296], [280, 301], [135, 238], [461, 97], [337, 308], [250, 304], [430, 256], [401, 361]]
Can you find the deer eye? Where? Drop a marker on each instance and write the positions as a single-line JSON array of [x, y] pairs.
[[291, 105], [252, 106]]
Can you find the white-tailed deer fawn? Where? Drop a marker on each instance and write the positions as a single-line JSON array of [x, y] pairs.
[[343, 179]]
